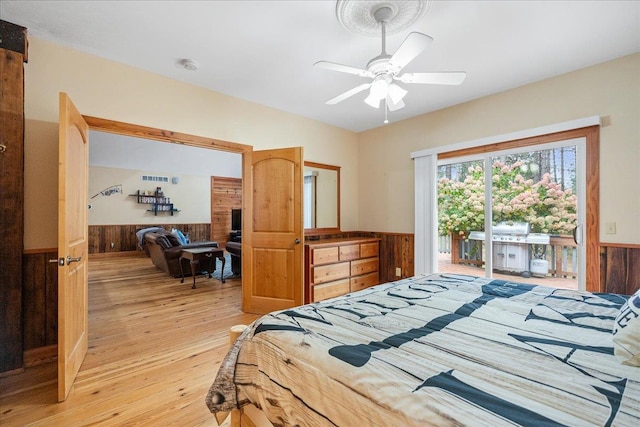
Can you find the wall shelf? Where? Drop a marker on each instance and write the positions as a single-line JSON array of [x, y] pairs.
[[158, 201]]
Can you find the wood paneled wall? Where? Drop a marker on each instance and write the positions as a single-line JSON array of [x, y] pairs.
[[13, 54], [620, 269], [620, 274], [40, 299], [226, 194], [396, 251], [123, 236]]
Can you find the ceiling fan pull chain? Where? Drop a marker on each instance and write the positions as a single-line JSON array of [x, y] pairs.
[[386, 109]]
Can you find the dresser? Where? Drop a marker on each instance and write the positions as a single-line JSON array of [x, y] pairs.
[[335, 267]]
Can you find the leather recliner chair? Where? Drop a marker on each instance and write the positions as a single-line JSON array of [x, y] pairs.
[[164, 250], [235, 250]]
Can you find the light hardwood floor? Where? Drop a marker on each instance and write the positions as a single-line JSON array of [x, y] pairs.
[[154, 349]]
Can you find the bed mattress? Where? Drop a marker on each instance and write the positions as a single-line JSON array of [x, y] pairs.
[[440, 350]]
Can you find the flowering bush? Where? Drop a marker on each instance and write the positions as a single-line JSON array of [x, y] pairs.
[[543, 204]]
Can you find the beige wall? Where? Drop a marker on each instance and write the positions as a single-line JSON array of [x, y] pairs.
[[190, 196], [373, 163], [609, 89], [111, 90]]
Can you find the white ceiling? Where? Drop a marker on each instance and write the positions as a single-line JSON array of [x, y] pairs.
[[264, 51], [127, 152]]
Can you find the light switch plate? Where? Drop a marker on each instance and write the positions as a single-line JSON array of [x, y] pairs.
[[398, 272]]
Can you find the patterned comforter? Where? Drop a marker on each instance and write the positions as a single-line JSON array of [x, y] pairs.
[[441, 350]]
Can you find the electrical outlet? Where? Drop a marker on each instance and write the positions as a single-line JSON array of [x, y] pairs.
[[610, 228], [113, 245], [398, 272]]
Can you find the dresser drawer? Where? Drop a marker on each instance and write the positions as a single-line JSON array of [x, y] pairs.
[[368, 250], [329, 273], [362, 266], [324, 255], [349, 252], [364, 281], [330, 290]]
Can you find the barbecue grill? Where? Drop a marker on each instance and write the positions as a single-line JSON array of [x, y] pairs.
[[511, 246]]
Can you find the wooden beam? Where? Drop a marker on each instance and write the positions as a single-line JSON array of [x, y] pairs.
[[14, 38]]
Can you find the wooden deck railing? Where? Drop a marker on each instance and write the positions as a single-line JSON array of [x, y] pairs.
[[561, 253]]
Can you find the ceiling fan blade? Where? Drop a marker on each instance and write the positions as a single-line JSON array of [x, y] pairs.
[[393, 107], [411, 47], [348, 93], [342, 68], [444, 78]]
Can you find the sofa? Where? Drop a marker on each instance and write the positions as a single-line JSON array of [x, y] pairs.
[[164, 250], [235, 250]]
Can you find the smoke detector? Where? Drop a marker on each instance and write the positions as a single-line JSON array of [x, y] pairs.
[[188, 64]]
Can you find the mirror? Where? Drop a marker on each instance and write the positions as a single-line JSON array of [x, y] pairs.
[[321, 198]]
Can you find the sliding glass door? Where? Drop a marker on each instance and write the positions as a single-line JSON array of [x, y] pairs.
[[515, 213]]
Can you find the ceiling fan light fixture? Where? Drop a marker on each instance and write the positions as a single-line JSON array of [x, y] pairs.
[[373, 100], [380, 88], [396, 93]]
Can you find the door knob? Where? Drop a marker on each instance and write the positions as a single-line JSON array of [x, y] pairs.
[[70, 260], [60, 261], [297, 241]]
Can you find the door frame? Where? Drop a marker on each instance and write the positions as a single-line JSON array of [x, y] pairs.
[[485, 157], [128, 129], [161, 135], [591, 232]]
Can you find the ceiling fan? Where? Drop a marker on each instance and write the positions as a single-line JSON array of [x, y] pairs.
[[384, 69]]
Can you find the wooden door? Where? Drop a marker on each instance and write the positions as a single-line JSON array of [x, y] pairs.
[[272, 230], [72, 244]]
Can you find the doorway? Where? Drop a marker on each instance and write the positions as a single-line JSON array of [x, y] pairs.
[[531, 199], [426, 224]]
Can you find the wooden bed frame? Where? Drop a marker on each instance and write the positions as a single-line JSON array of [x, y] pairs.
[[248, 416]]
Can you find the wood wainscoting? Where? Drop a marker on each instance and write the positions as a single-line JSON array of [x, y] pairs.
[[39, 299], [122, 237], [620, 268], [620, 273]]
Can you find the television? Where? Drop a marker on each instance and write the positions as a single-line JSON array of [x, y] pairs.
[[236, 219]]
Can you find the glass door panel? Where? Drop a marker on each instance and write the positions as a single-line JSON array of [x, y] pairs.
[[534, 214], [536, 191], [461, 217]]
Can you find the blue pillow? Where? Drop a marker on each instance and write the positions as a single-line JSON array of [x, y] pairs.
[[180, 236]]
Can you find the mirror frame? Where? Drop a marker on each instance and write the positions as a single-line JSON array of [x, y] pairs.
[[328, 230]]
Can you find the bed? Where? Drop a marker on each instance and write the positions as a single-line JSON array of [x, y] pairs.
[[439, 350]]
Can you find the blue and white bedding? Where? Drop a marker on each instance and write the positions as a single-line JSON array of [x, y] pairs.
[[441, 350]]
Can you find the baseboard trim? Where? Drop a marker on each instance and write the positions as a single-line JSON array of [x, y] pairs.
[[40, 355], [12, 372], [116, 254]]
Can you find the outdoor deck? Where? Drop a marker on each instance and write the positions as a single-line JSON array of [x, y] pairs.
[[445, 266]]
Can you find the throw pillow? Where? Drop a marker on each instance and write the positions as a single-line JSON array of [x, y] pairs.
[[175, 233], [164, 242], [173, 239], [626, 332], [182, 237]]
